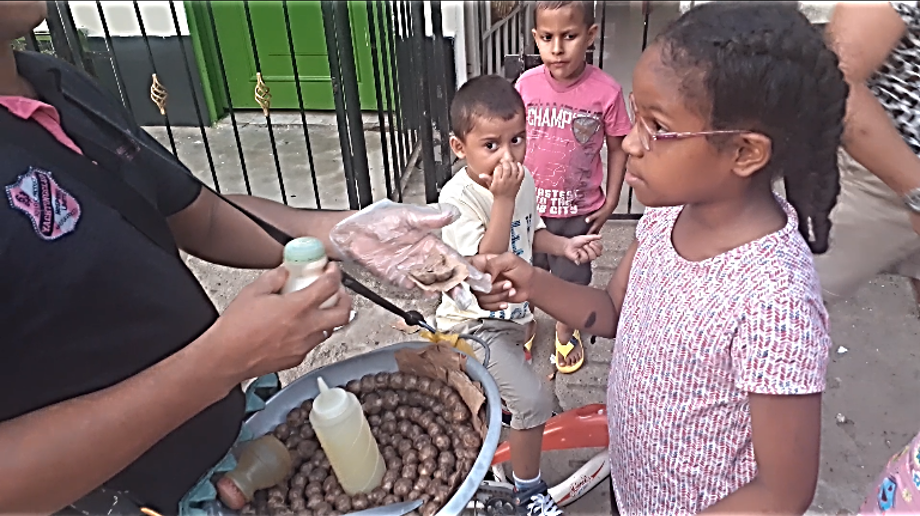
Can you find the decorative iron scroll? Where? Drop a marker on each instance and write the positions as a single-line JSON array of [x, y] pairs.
[[158, 95], [263, 94]]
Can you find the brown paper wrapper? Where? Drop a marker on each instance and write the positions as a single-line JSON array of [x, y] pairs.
[[441, 362], [437, 264]]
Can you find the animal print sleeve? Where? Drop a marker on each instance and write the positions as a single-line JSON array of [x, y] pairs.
[[909, 12]]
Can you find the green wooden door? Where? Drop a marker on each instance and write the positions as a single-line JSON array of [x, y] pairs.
[[275, 58]]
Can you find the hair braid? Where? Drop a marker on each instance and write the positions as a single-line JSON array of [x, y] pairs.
[[814, 194], [763, 67]]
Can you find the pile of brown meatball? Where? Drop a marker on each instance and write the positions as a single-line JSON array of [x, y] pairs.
[[425, 434]]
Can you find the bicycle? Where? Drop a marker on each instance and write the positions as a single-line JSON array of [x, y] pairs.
[[582, 427]]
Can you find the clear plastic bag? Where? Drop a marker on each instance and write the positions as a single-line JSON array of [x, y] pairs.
[[398, 244]]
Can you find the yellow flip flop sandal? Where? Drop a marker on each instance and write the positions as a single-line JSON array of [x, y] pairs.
[[565, 349]]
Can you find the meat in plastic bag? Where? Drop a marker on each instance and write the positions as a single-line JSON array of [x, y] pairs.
[[398, 244]]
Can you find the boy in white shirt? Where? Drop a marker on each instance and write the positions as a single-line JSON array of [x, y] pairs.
[[496, 197]]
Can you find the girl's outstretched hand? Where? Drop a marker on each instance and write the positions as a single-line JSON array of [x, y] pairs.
[[511, 283]]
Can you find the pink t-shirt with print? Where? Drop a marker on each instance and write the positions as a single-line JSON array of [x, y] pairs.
[[566, 130], [694, 339]]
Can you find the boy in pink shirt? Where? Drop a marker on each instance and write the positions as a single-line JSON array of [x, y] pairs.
[[573, 108]]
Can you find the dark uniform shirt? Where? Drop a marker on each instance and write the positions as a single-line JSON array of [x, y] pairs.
[[89, 300]]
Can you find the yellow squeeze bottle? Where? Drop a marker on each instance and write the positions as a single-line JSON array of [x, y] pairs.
[[345, 436]]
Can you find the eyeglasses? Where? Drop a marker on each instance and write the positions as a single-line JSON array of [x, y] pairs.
[[647, 136]]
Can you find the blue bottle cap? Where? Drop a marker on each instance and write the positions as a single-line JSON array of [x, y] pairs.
[[304, 250]]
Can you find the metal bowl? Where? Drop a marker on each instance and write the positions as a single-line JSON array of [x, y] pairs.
[[377, 361]]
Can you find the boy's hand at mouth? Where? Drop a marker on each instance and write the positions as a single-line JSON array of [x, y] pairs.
[[505, 180]]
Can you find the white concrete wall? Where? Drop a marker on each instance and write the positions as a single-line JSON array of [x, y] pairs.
[[817, 12], [452, 25], [157, 17], [122, 19]]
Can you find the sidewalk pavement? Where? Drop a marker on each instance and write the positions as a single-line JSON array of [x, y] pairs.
[[872, 377]]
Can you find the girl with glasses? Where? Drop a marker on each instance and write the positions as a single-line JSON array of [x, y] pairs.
[[714, 393]]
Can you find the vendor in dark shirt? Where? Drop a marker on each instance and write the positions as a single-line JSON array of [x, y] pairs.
[[116, 368]]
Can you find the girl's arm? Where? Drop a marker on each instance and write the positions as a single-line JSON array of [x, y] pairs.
[[779, 358], [584, 308], [786, 432]]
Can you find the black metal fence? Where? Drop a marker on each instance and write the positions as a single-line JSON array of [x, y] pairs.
[[387, 82], [317, 104]]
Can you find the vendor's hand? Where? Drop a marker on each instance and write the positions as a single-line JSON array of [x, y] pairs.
[[597, 219], [505, 181], [264, 332], [583, 248], [389, 238], [513, 279]]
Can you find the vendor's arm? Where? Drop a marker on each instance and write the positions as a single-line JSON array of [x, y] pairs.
[[864, 35], [54, 456], [786, 433], [215, 231]]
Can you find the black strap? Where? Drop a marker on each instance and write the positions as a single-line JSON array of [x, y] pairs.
[[107, 184]]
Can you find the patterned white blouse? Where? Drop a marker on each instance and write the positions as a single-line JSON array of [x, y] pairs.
[[694, 339]]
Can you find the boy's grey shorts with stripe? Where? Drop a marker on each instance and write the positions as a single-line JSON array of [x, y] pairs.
[[525, 394]]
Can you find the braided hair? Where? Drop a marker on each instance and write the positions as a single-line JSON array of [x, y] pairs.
[[763, 67]]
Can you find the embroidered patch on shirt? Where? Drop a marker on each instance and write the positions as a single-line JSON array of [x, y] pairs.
[[53, 211]]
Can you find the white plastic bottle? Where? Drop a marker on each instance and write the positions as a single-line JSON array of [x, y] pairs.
[[345, 436], [305, 258]]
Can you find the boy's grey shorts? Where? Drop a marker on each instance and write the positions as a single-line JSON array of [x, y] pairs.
[[525, 394]]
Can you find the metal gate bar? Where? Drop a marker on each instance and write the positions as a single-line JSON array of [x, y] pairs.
[[389, 60], [119, 80], [303, 114], [155, 88], [353, 104], [409, 67], [228, 100], [440, 74], [191, 87], [380, 107], [424, 119], [263, 96]]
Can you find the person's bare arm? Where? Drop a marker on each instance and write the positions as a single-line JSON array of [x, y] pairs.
[[864, 35], [546, 242], [54, 456], [215, 231], [582, 307], [786, 432], [498, 233], [616, 169], [585, 308]]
